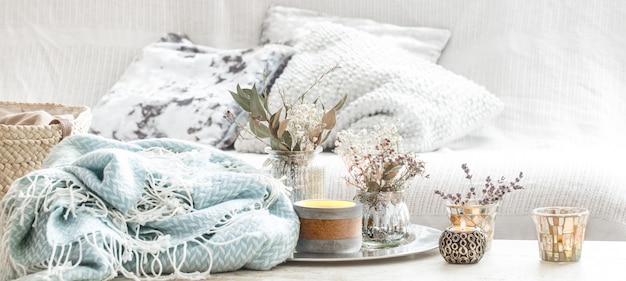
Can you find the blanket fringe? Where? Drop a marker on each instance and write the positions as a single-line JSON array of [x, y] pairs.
[[10, 211], [166, 195]]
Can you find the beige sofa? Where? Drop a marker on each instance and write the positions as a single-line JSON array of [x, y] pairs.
[[557, 66]]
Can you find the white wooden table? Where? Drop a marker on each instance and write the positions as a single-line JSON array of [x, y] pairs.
[[506, 260]]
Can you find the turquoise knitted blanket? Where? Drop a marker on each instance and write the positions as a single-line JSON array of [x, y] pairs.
[[155, 209]]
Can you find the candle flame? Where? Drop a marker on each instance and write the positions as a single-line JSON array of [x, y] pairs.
[[462, 224]]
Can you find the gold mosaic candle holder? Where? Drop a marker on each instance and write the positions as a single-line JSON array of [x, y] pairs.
[[560, 232], [481, 216]]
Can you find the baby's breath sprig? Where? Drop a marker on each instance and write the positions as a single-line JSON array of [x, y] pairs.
[[375, 159], [296, 126], [492, 192]]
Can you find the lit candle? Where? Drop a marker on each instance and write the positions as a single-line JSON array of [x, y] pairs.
[[463, 228], [329, 226], [462, 244]]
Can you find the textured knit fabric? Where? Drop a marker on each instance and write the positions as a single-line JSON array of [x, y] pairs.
[[384, 84], [142, 209]]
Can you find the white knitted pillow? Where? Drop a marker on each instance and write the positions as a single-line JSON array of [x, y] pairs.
[[281, 24], [384, 83]]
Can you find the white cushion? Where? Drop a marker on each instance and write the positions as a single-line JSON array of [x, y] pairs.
[[384, 83], [282, 23]]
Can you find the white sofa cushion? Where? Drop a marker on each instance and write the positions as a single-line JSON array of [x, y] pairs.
[[384, 84], [281, 24]]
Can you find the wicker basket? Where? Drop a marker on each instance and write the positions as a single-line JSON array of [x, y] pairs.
[[24, 147]]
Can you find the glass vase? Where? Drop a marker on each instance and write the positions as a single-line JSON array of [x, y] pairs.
[[298, 170], [386, 218], [481, 216]]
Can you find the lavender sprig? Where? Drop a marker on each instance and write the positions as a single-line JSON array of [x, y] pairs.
[[492, 192]]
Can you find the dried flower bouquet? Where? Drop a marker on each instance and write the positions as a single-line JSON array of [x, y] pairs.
[[375, 159], [296, 126]]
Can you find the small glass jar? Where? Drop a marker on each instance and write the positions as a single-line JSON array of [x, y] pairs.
[[386, 218], [299, 170]]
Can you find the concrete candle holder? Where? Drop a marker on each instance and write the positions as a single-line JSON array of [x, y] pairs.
[[329, 226]]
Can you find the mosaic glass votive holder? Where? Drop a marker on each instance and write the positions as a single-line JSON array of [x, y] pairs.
[[481, 216], [560, 232]]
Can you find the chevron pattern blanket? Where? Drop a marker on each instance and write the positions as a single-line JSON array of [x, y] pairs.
[[149, 209]]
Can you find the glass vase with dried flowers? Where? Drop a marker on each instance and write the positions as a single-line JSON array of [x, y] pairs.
[[478, 206], [293, 134], [380, 169]]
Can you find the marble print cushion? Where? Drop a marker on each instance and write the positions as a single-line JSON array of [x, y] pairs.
[[178, 89]]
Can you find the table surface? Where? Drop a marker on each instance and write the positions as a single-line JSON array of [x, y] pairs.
[[506, 260]]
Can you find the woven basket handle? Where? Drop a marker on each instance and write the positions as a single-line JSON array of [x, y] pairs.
[[66, 126]]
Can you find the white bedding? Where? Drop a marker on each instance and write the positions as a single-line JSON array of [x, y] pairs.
[[559, 67]]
